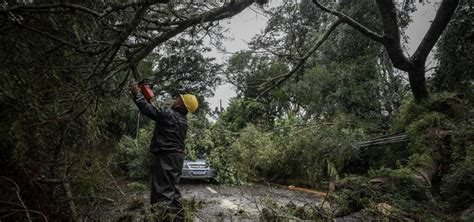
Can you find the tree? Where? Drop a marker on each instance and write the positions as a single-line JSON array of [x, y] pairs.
[[181, 67], [391, 41], [341, 72], [415, 64]]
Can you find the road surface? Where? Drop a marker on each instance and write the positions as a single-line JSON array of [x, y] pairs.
[[241, 202], [217, 202]]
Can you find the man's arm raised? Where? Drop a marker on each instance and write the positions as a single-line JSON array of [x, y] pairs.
[[146, 108]]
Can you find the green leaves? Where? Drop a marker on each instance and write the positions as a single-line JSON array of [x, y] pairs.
[[134, 155], [181, 67], [295, 149], [454, 53]]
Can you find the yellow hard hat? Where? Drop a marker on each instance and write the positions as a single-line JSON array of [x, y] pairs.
[[190, 101]]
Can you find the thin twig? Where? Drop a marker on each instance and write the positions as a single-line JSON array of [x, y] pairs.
[[113, 179], [19, 196]]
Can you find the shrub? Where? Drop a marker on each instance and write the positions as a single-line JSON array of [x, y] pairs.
[[224, 158], [396, 189], [134, 157], [296, 149], [90, 174], [458, 184]]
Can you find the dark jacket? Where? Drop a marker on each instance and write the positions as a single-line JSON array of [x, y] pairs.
[[170, 126]]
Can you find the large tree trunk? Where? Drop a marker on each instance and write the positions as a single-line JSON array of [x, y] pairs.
[[417, 81]]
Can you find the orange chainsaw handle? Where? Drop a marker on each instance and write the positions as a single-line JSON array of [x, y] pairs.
[[144, 86], [147, 92]]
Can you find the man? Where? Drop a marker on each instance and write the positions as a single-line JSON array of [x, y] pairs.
[[167, 146]]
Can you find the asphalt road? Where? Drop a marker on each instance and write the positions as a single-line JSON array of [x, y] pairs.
[[230, 203], [213, 202]]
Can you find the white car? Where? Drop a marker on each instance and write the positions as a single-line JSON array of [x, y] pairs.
[[197, 169]]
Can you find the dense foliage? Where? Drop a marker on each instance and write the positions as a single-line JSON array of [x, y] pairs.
[[455, 53]]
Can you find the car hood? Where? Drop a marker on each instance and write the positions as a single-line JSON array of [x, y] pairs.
[[197, 161]]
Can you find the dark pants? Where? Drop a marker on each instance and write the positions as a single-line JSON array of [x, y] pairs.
[[166, 171]]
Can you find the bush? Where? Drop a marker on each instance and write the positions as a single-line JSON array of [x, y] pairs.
[[134, 157], [440, 105], [296, 149], [433, 175], [200, 139], [458, 186], [254, 152], [90, 174], [397, 189], [458, 183], [223, 158]]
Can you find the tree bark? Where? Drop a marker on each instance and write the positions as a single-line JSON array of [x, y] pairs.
[[70, 200], [417, 80]]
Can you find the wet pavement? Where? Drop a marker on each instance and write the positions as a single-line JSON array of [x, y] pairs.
[[230, 203], [214, 202]]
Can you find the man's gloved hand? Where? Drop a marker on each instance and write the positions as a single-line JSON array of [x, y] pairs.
[[134, 88]]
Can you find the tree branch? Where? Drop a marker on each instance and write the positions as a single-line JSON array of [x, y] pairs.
[[353, 23], [25, 7], [225, 11], [441, 20], [70, 200], [278, 80], [76, 7], [18, 196], [114, 48], [54, 38], [391, 39]]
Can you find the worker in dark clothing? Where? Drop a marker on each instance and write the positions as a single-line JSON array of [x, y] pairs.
[[167, 146]]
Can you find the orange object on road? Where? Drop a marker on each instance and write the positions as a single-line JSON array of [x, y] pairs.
[[316, 193]]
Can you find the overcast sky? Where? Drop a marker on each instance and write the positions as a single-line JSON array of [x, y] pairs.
[[242, 27]]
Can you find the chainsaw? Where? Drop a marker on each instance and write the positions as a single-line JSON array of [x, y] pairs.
[[146, 85]]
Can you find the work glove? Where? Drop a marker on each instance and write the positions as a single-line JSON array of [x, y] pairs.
[[134, 88]]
